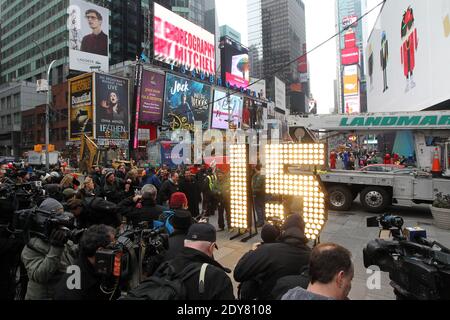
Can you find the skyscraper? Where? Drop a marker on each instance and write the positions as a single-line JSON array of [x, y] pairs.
[[276, 36], [347, 12]]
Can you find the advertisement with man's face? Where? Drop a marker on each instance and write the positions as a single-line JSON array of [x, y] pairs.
[[186, 101], [235, 63], [226, 110], [112, 107], [88, 26], [80, 107]]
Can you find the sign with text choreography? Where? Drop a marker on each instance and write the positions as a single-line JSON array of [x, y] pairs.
[[180, 42]]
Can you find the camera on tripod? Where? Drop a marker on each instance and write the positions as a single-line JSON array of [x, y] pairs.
[[419, 269]]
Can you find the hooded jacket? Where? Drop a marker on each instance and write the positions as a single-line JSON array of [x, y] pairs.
[[46, 265], [272, 261]]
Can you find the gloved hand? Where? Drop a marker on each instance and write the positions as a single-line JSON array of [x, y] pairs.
[[58, 238]]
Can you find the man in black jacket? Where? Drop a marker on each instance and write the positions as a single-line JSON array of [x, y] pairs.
[[191, 188], [198, 248], [113, 189], [91, 285], [168, 187], [142, 208], [272, 261], [181, 222]]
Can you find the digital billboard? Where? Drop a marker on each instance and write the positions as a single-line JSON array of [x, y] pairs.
[[226, 110], [112, 107], [411, 46], [254, 114], [235, 63], [351, 81], [88, 26], [280, 94], [179, 42], [352, 104], [151, 97], [186, 101], [81, 101]]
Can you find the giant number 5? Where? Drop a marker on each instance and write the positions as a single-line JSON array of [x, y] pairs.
[[304, 185]]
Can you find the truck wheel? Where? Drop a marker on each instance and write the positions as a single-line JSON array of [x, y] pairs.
[[340, 198], [375, 199]]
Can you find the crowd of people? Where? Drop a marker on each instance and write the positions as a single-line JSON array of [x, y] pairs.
[[282, 266], [353, 160]]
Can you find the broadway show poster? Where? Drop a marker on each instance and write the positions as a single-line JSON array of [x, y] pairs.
[[112, 107], [152, 97], [186, 101], [80, 107], [226, 110]]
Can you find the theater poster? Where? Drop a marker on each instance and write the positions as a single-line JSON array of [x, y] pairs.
[[186, 101]]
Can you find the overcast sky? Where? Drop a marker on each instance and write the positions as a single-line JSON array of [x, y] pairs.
[[320, 25]]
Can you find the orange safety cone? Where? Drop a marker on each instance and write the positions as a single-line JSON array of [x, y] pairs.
[[436, 168]]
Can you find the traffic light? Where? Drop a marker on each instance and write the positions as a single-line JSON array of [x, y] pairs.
[[51, 148], [38, 148]]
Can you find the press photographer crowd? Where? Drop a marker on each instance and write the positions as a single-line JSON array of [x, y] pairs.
[[133, 234]]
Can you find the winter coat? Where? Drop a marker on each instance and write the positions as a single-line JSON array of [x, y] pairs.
[[144, 211], [45, 265], [270, 262], [167, 189], [113, 192], [176, 244], [218, 285], [89, 286], [193, 194]]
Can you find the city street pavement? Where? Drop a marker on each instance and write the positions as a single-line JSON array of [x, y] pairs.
[[349, 230]]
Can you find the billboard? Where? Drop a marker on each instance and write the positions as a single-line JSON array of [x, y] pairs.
[[88, 26], [226, 109], [350, 80], [112, 108], [258, 87], [352, 104], [235, 63], [151, 97], [254, 114], [350, 21], [411, 46], [186, 101], [180, 42], [80, 107], [280, 94], [349, 56]]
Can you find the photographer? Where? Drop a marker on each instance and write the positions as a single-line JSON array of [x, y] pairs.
[[272, 261], [92, 284], [45, 260], [142, 208]]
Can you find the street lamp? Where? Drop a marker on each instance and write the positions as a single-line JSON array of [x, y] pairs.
[[47, 107]]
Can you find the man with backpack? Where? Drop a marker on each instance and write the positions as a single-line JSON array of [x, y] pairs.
[[192, 275]]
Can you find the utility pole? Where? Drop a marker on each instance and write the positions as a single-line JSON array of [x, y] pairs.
[[47, 108]]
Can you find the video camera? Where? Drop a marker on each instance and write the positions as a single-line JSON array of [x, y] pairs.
[[134, 254], [35, 222], [419, 269]]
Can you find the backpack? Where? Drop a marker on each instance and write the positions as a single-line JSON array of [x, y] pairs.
[[169, 285]]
